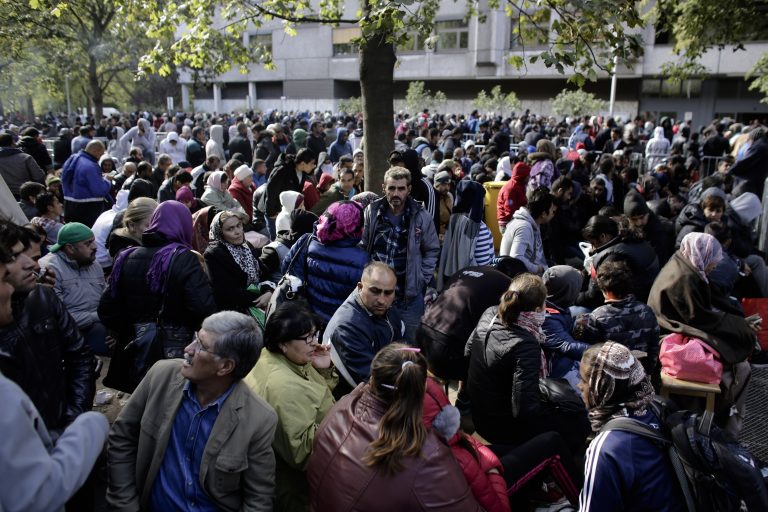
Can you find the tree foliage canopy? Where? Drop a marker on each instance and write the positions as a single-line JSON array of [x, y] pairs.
[[576, 103], [497, 102], [417, 98]]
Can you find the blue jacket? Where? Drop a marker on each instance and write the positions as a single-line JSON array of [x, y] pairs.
[[357, 335], [338, 149], [330, 273], [81, 180], [562, 350], [627, 472]]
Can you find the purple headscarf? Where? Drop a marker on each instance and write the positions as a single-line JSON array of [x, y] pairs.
[[342, 219], [173, 221]]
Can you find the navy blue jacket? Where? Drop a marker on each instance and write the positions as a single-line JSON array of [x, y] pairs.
[[357, 335], [329, 271], [562, 350], [627, 472]]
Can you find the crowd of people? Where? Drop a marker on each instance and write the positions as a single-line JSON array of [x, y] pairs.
[[287, 337]]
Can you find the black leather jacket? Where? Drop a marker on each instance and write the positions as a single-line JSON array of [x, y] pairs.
[[44, 353]]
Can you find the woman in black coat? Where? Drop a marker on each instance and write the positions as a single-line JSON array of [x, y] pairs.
[[505, 364], [162, 275], [234, 267]]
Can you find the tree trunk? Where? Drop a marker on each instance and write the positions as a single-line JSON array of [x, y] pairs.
[[377, 68], [97, 95], [30, 109]]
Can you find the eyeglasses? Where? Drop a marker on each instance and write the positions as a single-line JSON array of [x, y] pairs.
[[310, 338], [199, 347]]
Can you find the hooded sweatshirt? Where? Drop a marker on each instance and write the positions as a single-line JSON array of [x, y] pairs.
[[512, 195], [341, 147], [289, 200], [215, 145], [145, 141], [522, 240]]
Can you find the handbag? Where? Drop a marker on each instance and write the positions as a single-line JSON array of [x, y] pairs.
[[560, 395], [290, 287], [688, 358], [152, 341]]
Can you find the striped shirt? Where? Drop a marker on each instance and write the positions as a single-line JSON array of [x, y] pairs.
[[484, 246]]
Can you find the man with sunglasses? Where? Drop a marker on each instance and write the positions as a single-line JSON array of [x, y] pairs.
[[193, 436]]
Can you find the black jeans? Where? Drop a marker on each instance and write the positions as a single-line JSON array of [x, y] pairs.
[[547, 451]]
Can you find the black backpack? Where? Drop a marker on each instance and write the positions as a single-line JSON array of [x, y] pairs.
[[715, 472]]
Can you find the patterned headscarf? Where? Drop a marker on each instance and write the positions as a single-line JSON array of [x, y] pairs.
[[342, 219], [616, 385], [241, 253], [701, 250]]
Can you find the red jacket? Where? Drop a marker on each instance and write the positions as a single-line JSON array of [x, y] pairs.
[[243, 195], [311, 195], [512, 194], [489, 489]]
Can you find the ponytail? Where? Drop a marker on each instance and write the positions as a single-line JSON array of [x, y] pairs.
[[526, 293], [398, 376]]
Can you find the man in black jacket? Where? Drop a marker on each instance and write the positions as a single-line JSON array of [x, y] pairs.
[[45, 352], [289, 174], [316, 139]]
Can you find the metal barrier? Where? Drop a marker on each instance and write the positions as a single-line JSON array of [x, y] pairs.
[[637, 160], [709, 165]]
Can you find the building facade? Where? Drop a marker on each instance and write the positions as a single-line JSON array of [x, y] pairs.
[[319, 67]]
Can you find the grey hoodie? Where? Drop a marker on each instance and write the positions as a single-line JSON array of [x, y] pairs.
[[522, 240]]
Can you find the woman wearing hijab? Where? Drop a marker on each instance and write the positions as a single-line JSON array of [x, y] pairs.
[[217, 195], [683, 302], [563, 351], [468, 241], [162, 281], [543, 170], [505, 363], [657, 149], [624, 471], [330, 263], [234, 267]]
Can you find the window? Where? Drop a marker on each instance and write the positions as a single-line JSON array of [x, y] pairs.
[[342, 41], [667, 88], [413, 43], [530, 31], [452, 35], [264, 40]]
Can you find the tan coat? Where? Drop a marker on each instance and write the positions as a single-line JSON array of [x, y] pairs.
[[237, 471]]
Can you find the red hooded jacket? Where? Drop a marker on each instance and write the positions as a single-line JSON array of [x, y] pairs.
[[512, 194], [489, 489]]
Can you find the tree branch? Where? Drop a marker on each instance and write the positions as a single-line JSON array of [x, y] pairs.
[[296, 19]]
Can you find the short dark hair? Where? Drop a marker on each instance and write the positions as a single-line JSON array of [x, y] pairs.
[[718, 230], [713, 202], [10, 234], [197, 130], [289, 321], [540, 201], [615, 276], [43, 201], [6, 140], [305, 155], [600, 225], [563, 182], [30, 188], [144, 167], [182, 177]]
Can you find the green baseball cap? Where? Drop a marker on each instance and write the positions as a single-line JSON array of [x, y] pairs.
[[71, 233]]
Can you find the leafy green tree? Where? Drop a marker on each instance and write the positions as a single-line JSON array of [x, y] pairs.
[[576, 103], [93, 41], [497, 102], [351, 106], [417, 98]]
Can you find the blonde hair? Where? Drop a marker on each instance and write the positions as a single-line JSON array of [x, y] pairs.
[[138, 210]]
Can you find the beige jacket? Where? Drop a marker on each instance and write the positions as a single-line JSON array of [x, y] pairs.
[[238, 467]]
